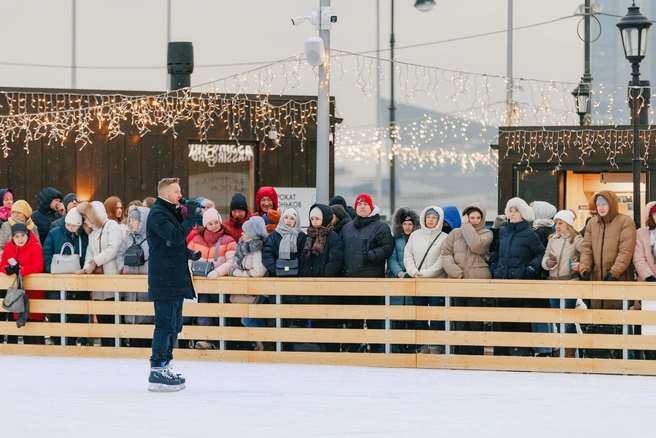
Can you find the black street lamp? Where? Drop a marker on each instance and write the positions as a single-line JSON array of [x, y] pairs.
[[634, 29], [582, 101]]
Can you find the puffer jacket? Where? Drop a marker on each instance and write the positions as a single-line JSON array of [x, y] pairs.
[[30, 260], [643, 257], [104, 242], [5, 231], [370, 236], [272, 246], [608, 247], [565, 251], [426, 242], [44, 215], [519, 247], [56, 240], [395, 262], [248, 258], [465, 251], [206, 244]]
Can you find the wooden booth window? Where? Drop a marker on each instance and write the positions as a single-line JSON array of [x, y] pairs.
[[538, 185], [218, 171]]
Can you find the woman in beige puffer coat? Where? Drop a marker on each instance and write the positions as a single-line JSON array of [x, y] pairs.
[[465, 255]]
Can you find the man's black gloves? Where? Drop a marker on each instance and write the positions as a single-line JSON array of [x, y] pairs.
[[196, 256], [609, 277], [585, 276], [10, 270], [192, 206]]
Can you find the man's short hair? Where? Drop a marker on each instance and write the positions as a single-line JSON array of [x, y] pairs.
[[165, 182]]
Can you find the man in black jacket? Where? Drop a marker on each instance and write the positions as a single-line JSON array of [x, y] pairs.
[[169, 281]]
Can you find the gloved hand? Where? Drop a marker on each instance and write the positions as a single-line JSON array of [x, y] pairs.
[[11, 270], [585, 276], [551, 263], [529, 272], [464, 219], [609, 277], [402, 275], [499, 221], [650, 278], [92, 267], [213, 274], [192, 206], [196, 256]]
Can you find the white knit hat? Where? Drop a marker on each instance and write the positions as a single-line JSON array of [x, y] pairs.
[[566, 216], [210, 215], [522, 207], [291, 211], [316, 212], [73, 217]]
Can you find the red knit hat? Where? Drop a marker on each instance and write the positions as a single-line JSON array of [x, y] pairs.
[[363, 197], [652, 210]]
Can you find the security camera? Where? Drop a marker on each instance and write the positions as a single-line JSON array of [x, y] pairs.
[[298, 20], [333, 18]]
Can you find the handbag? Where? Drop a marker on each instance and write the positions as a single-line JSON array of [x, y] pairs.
[[286, 268], [244, 299], [201, 269], [66, 264], [14, 300]]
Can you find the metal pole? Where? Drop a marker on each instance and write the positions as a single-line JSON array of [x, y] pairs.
[[73, 48], [587, 76], [379, 185], [392, 121], [635, 96], [323, 117], [509, 65], [168, 36]]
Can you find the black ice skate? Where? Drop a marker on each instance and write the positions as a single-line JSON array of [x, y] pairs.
[[162, 380]]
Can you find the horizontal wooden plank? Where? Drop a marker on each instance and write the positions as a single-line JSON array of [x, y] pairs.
[[332, 286], [331, 312], [503, 288]]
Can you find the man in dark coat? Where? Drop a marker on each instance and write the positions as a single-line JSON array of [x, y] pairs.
[[368, 243], [169, 280], [48, 211]]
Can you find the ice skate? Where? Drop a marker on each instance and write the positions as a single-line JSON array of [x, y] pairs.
[[162, 380]]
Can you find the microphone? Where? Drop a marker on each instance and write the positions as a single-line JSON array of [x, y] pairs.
[[184, 201]]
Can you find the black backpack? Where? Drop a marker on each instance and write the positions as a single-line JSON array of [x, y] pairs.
[[134, 255]]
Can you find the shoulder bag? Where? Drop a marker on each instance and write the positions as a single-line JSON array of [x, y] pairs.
[[66, 264], [14, 300], [201, 269], [427, 250], [286, 268]]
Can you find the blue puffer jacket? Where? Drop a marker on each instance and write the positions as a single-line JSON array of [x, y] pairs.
[[395, 262], [57, 237], [519, 247]]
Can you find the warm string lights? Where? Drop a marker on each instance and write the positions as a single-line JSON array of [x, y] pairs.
[[243, 104], [557, 145]]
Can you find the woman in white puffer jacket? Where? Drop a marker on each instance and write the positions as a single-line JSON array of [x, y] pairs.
[[423, 259], [104, 243]]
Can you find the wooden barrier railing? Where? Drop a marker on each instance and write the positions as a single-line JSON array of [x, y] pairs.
[[385, 336]]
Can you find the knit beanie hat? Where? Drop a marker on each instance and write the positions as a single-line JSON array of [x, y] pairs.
[[433, 212], [74, 217], [316, 212], [19, 228], [338, 200], [70, 197], [238, 202], [8, 194], [211, 215], [338, 211], [566, 216], [255, 227], [22, 207], [363, 197], [290, 212], [599, 201]]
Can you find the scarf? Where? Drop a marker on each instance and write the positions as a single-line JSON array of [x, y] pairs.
[[288, 244], [5, 213], [28, 223], [316, 241], [246, 247]]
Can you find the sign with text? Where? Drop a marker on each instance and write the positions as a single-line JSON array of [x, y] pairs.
[[301, 198], [213, 154]]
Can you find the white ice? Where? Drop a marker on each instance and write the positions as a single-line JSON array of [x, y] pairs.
[[83, 397]]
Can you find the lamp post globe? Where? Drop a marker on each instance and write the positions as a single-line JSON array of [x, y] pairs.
[[424, 5], [582, 101]]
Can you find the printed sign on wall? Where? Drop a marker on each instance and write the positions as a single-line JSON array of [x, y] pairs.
[[213, 154]]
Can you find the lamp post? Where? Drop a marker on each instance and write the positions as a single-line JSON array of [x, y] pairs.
[[582, 101], [423, 6], [634, 28]]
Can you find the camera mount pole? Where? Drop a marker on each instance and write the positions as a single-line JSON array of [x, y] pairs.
[[323, 108]]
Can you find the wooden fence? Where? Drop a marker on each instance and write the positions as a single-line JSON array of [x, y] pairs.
[[276, 312]]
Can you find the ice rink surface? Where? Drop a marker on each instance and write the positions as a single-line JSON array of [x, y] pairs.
[[80, 397]]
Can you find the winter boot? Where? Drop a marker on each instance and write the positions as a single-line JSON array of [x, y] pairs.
[[162, 380]]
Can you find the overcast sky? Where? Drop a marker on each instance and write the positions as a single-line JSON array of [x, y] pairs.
[[134, 32]]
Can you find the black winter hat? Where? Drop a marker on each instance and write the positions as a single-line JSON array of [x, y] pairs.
[[19, 227], [338, 211], [70, 197], [338, 200], [238, 202]]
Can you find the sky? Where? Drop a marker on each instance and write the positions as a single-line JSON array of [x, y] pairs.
[[134, 33]]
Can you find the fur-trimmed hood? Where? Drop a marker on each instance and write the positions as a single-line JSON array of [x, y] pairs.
[[524, 209], [95, 211], [399, 217]]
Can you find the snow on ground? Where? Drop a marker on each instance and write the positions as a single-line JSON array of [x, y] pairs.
[[88, 397]]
